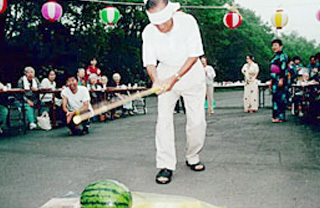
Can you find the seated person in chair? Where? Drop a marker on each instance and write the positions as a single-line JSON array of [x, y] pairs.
[[47, 98], [81, 76], [128, 107], [3, 110], [104, 82], [96, 96], [30, 83], [75, 100]]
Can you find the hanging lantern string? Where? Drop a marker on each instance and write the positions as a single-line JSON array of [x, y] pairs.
[[226, 6], [234, 9], [113, 2]]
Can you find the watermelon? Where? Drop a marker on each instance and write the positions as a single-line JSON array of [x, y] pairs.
[[106, 194]]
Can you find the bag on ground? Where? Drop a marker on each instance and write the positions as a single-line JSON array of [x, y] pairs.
[[44, 121]]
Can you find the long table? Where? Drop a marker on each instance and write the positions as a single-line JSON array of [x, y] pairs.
[[262, 90], [55, 92]]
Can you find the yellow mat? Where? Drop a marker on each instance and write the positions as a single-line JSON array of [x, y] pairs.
[[140, 200]]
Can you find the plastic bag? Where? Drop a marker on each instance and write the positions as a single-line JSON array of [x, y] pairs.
[[44, 121], [140, 200]]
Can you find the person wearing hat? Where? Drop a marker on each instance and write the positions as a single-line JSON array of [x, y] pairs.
[[171, 49]]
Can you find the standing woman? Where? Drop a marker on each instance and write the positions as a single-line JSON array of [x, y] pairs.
[[210, 75], [251, 91], [278, 82]]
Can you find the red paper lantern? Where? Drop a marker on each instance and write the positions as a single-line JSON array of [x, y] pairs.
[[232, 20], [3, 6]]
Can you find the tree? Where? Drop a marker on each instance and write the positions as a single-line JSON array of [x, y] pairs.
[[70, 43], [295, 45]]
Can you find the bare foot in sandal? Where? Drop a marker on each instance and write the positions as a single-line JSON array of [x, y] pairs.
[[196, 167], [164, 176]]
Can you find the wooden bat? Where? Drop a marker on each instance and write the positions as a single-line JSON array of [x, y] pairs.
[[77, 119]]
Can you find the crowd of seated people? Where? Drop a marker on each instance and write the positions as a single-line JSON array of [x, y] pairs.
[[67, 103], [300, 77]]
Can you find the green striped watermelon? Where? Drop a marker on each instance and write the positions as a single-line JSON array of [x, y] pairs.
[[106, 194]]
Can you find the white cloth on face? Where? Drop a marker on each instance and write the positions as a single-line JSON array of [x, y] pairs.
[[210, 75], [26, 83], [165, 14], [175, 47], [76, 101]]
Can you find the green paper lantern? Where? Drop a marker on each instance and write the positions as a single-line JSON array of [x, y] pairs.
[[110, 15]]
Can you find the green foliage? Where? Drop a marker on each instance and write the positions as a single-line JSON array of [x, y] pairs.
[[71, 42], [295, 45]]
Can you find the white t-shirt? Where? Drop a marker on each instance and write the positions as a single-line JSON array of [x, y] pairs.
[[175, 47], [47, 84], [75, 101], [211, 74]]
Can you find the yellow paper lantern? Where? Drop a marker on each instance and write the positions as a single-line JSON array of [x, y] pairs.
[[279, 19]]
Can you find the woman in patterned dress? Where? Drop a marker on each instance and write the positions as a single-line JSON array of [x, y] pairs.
[[251, 90]]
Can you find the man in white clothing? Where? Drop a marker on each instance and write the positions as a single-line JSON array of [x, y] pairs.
[[173, 40], [210, 75], [75, 100]]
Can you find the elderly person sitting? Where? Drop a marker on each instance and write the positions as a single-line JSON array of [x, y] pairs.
[[104, 82], [81, 77], [3, 110], [30, 83], [128, 107], [93, 82]]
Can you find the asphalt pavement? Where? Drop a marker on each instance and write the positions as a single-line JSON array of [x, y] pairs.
[[250, 162]]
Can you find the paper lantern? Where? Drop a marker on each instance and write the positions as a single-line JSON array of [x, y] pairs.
[[3, 6], [279, 19], [52, 11], [232, 20], [110, 15], [318, 15]]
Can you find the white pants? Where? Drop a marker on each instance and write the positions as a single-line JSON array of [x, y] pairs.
[[210, 90], [192, 88]]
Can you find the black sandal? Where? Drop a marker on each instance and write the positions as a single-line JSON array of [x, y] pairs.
[[194, 167], [164, 173]]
